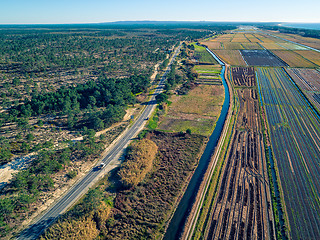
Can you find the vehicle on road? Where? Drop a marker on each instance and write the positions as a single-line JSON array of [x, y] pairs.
[[101, 165]]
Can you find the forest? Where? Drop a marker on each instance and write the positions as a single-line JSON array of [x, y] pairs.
[[302, 32]]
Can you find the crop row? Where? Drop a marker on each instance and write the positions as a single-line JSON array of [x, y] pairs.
[[241, 209], [294, 129]]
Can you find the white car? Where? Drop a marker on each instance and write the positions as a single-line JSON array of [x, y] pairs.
[[101, 165]]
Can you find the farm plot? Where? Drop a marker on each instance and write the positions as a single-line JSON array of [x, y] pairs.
[[251, 45], [309, 82], [292, 46], [241, 209], [272, 46], [232, 57], [208, 74], [213, 45], [313, 56], [243, 76], [224, 38], [232, 46], [252, 38], [294, 130], [311, 42], [293, 59], [261, 58], [197, 111], [264, 38], [202, 55]]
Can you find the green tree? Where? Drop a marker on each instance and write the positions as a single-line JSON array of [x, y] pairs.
[[162, 97], [6, 208]]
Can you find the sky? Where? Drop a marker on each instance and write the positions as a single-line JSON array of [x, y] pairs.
[[96, 11]]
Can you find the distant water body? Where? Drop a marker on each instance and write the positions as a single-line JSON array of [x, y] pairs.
[[314, 26]]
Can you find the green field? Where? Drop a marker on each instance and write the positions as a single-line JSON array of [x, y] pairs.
[[202, 56]]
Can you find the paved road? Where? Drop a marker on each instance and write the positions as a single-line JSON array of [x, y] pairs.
[[81, 187]]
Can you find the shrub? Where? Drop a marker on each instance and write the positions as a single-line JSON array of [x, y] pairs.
[[72, 174], [139, 162]]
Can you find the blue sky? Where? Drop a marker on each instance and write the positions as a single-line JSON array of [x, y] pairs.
[[94, 11]]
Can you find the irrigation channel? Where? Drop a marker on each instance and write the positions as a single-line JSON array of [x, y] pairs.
[[179, 218]]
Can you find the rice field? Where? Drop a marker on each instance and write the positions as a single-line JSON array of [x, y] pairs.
[[232, 46], [232, 57], [252, 38], [261, 58], [308, 81], [293, 59], [294, 129], [292, 46], [272, 46], [251, 45], [313, 56]]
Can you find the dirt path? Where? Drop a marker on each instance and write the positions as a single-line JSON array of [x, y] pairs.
[[12, 167], [20, 163]]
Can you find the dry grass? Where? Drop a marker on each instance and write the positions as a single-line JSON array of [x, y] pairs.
[[213, 44], [232, 57], [272, 46], [252, 38], [85, 227], [251, 45], [232, 46], [313, 56], [139, 162], [197, 111], [293, 59]]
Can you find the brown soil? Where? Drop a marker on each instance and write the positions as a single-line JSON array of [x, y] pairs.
[[241, 209]]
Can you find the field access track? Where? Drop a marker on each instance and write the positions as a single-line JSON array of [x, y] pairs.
[[294, 129]]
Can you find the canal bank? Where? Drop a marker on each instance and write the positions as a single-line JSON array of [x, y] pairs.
[[184, 208]]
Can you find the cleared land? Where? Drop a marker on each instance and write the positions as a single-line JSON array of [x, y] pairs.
[[293, 59], [232, 57], [241, 207], [309, 82], [242, 76], [261, 58], [294, 130], [198, 111]]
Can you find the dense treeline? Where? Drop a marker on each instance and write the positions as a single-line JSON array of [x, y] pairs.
[[112, 94], [131, 26], [42, 51], [300, 31]]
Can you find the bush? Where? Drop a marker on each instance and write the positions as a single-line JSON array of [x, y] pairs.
[[72, 174], [139, 162]]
